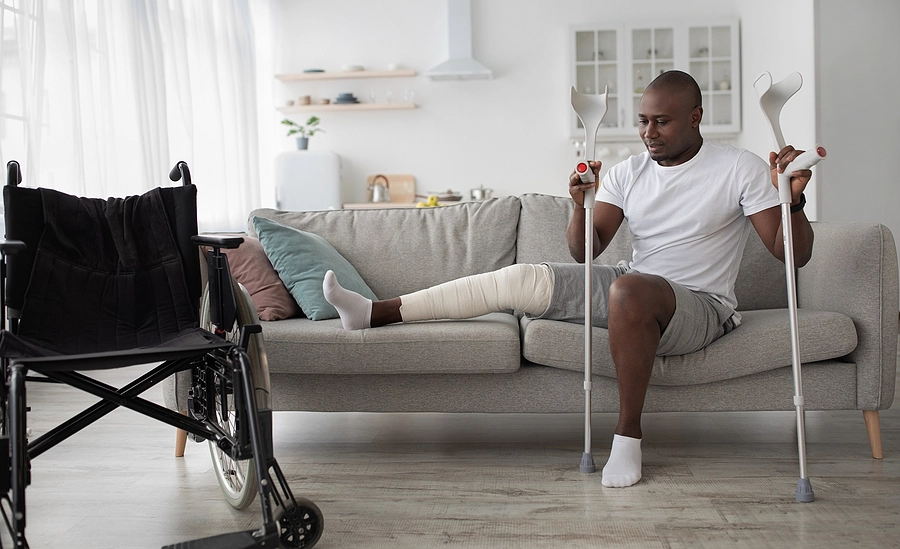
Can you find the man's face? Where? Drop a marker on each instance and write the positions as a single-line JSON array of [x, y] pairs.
[[667, 124]]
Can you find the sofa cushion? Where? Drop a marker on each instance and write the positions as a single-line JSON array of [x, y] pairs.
[[302, 259], [487, 344], [401, 250], [250, 267], [823, 335]]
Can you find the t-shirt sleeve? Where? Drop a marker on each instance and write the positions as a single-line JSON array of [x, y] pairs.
[[610, 190], [757, 191]]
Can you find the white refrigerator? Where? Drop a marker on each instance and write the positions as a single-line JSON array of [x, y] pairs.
[[308, 180]]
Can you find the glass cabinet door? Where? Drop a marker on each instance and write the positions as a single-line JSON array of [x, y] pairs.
[[596, 68], [714, 66], [652, 53]]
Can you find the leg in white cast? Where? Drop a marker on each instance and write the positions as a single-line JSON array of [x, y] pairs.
[[526, 288]]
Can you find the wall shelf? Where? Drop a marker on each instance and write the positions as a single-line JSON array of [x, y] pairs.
[[348, 107], [307, 76]]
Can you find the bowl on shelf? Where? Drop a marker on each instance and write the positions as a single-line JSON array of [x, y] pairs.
[[444, 196], [346, 98], [353, 68]]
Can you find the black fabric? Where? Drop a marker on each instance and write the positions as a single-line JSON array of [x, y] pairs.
[[24, 216], [189, 345], [181, 209], [107, 276]]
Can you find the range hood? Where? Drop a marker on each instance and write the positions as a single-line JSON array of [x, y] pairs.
[[460, 65]]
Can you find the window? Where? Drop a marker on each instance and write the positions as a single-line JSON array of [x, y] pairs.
[[102, 98]]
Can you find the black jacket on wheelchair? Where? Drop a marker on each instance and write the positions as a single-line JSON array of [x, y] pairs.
[[96, 284]]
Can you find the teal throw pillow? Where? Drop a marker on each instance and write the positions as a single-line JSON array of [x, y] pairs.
[[301, 260]]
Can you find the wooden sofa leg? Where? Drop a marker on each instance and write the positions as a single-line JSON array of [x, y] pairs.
[[181, 440], [873, 427]]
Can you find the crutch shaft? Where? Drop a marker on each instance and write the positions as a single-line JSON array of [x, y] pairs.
[[790, 273]]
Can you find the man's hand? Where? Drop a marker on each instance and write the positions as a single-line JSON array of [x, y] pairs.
[[577, 188], [799, 179]]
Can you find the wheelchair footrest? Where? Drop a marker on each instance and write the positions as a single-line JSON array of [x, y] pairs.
[[236, 540]]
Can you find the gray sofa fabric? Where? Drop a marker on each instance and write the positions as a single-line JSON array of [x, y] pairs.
[[823, 335], [499, 363], [853, 271], [487, 344]]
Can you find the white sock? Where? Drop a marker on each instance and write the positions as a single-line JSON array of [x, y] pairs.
[[355, 310], [624, 465]]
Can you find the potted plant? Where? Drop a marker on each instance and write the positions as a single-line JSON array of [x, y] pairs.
[[305, 130]]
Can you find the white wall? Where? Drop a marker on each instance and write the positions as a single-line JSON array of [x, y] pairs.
[[859, 116], [778, 36], [509, 133]]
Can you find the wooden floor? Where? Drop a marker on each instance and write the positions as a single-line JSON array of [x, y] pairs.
[[478, 481]]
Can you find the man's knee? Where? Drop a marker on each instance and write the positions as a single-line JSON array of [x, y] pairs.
[[640, 296]]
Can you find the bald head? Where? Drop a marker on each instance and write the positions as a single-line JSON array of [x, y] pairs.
[[680, 84], [669, 117]]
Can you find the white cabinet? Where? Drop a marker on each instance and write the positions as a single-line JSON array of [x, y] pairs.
[[626, 57]]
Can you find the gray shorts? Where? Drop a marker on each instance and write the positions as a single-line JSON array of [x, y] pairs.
[[699, 317]]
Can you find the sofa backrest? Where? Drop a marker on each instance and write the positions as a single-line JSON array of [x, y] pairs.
[[542, 238], [401, 250], [542, 233]]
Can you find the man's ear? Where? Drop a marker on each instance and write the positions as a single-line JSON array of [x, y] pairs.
[[696, 116]]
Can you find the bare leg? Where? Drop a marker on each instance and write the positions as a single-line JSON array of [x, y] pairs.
[[640, 308], [386, 312]]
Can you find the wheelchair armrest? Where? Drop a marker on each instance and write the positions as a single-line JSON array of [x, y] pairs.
[[228, 242], [11, 247]]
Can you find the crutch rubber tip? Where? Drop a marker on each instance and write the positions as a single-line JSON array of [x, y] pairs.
[[587, 463], [804, 491]]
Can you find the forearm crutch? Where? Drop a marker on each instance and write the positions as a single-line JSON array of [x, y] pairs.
[[772, 100], [590, 110]]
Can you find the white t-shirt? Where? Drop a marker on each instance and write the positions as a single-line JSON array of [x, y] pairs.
[[689, 222]]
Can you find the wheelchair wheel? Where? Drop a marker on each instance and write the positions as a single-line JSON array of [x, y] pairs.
[[299, 526], [238, 478]]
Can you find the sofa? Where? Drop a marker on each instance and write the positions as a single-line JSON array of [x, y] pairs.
[[505, 363]]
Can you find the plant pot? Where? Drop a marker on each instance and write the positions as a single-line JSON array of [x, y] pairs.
[[302, 143]]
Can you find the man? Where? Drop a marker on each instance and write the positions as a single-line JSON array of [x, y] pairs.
[[689, 205]]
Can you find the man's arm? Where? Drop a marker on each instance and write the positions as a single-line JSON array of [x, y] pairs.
[[768, 222], [607, 218]]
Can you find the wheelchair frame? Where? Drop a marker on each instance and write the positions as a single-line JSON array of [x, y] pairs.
[[219, 371]]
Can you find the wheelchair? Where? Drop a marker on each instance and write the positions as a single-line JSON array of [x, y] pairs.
[[91, 284]]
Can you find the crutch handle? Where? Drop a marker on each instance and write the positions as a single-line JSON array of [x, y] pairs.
[[589, 198], [803, 162], [586, 174]]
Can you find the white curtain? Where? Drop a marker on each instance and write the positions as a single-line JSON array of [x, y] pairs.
[[101, 98]]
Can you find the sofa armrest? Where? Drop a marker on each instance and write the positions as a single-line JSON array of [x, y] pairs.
[[853, 271]]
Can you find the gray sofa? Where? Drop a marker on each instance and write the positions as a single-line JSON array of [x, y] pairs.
[[848, 318]]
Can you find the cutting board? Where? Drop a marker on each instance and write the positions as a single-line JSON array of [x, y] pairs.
[[402, 186]]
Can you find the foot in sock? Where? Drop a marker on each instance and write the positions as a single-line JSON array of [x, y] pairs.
[[355, 310], [624, 465]]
